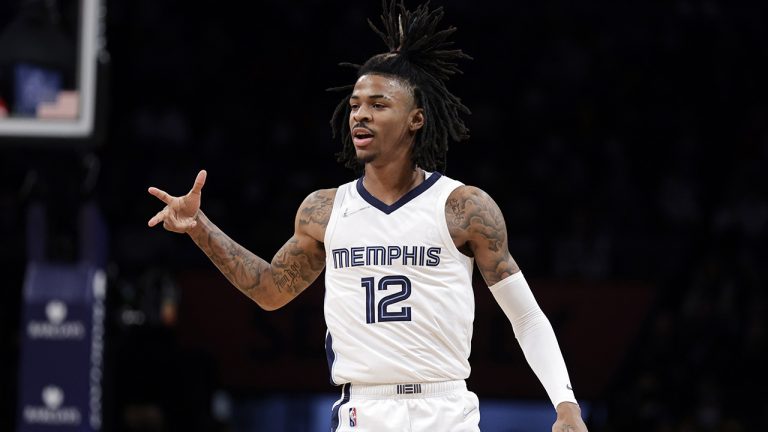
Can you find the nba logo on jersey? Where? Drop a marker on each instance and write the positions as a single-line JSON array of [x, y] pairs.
[[352, 417]]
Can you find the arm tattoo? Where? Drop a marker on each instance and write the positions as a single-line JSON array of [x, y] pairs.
[[240, 266], [288, 277], [485, 219], [317, 209], [458, 210], [473, 215], [480, 217], [295, 267]]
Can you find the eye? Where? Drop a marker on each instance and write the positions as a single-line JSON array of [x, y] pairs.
[[354, 107], [379, 106]]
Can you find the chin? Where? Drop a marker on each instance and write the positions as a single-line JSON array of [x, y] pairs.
[[365, 158]]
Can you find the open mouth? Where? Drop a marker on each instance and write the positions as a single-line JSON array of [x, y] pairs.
[[361, 137]]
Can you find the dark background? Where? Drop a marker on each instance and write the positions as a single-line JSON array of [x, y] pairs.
[[625, 142]]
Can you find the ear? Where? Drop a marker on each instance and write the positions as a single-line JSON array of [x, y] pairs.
[[416, 121]]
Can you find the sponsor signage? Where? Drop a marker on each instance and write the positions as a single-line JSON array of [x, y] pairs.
[[62, 349]]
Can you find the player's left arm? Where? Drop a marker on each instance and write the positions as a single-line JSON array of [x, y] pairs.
[[477, 227]]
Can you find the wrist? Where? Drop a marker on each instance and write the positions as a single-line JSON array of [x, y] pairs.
[[199, 225], [568, 408]]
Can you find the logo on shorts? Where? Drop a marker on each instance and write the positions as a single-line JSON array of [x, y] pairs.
[[352, 417]]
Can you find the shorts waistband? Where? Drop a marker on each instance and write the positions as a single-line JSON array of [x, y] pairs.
[[407, 389]]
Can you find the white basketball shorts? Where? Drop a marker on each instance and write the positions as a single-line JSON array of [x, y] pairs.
[[420, 407]]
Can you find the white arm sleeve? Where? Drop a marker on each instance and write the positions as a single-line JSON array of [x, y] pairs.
[[535, 335]]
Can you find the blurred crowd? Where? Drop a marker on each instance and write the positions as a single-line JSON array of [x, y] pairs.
[[623, 141]]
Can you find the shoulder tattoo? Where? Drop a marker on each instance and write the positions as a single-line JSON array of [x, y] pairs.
[[316, 209], [475, 213]]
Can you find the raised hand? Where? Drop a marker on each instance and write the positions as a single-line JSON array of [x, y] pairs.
[[179, 214]]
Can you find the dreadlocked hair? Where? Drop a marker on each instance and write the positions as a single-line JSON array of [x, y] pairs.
[[420, 56]]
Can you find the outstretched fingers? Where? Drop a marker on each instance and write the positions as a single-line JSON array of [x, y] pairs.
[[199, 182], [178, 214], [161, 195], [159, 217]]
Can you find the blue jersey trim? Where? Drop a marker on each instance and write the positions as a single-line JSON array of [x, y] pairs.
[[335, 411], [330, 355], [413, 193]]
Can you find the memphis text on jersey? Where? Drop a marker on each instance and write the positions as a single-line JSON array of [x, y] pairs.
[[386, 255]]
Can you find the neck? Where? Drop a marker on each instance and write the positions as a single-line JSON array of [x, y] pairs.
[[389, 183]]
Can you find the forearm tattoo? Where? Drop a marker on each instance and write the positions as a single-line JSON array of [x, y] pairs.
[[293, 268], [240, 266]]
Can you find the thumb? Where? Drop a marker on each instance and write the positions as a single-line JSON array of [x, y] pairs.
[[199, 182]]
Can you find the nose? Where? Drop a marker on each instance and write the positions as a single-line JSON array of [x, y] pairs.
[[362, 114]]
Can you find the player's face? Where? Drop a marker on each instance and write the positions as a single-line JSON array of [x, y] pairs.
[[383, 119]]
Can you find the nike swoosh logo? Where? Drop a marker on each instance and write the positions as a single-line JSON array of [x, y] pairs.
[[347, 212], [467, 412], [568, 386]]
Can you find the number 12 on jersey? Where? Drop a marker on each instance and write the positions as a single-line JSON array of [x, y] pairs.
[[384, 314]]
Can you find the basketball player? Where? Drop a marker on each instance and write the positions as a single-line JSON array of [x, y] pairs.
[[398, 245]]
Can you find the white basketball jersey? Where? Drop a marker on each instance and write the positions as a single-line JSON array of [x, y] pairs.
[[399, 304]]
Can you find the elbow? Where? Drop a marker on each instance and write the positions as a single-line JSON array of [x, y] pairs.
[[264, 297], [269, 305]]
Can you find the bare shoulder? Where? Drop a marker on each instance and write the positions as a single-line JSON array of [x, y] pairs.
[[478, 229], [467, 192], [314, 213], [468, 208]]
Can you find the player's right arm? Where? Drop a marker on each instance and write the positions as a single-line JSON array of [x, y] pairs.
[[270, 284]]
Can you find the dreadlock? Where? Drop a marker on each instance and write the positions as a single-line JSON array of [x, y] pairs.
[[419, 56]]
